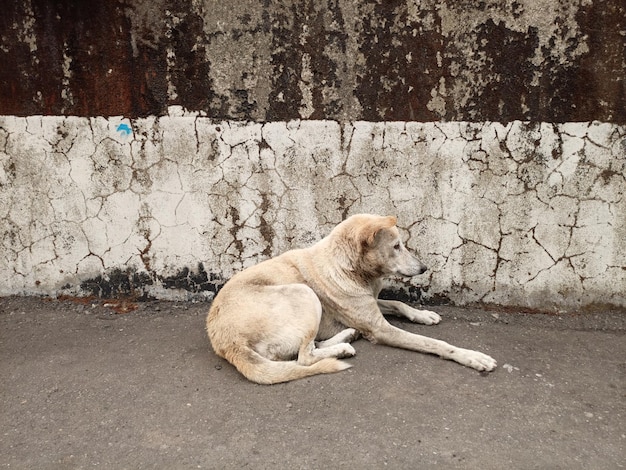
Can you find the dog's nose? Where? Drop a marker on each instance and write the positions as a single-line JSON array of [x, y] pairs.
[[423, 269]]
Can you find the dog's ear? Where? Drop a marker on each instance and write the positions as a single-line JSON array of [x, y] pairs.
[[368, 233]]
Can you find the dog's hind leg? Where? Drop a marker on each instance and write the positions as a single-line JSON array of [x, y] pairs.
[[296, 315], [338, 346], [345, 336], [309, 354], [394, 307]]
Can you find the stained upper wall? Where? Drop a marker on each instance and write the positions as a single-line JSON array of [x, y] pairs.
[[465, 60]]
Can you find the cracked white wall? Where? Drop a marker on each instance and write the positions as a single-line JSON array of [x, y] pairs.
[[521, 214]]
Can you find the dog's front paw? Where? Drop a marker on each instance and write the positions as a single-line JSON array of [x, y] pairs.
[[476, 360], [426, 317], [432, 318]]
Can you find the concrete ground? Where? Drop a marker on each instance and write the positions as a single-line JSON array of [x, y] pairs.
[[86, 387]]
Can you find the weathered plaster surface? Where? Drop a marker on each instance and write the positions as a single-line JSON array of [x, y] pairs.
[[374, 60], [523, 214]]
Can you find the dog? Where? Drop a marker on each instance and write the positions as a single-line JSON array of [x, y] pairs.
[[294, 316]]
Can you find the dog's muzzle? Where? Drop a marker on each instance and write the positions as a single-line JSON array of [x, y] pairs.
[[413, 271]]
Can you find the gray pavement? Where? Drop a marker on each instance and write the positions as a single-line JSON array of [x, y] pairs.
[[86, 387]]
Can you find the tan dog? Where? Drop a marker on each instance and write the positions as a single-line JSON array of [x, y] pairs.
[[270, 314]]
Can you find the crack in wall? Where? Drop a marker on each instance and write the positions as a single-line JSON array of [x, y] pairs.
[[183, 195]]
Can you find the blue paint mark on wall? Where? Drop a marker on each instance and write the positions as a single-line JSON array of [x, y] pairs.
[[124, 129]]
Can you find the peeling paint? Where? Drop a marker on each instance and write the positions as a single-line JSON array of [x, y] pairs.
[[182, 202]]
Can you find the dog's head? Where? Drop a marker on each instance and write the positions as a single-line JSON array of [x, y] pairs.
[[375, 248]]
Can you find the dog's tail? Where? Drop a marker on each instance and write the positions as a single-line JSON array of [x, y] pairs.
[[261, 370]]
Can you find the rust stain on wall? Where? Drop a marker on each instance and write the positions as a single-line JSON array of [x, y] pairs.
[[371, 60]]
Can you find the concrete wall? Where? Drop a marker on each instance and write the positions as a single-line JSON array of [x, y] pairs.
[[520, 214], [233, 133]]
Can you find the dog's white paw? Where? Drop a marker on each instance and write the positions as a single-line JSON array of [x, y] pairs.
[[432, 318], [349, 334], [476, 360], [426, 317], [345, 350]]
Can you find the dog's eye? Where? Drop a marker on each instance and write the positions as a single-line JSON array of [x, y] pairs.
[[396, 246]]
